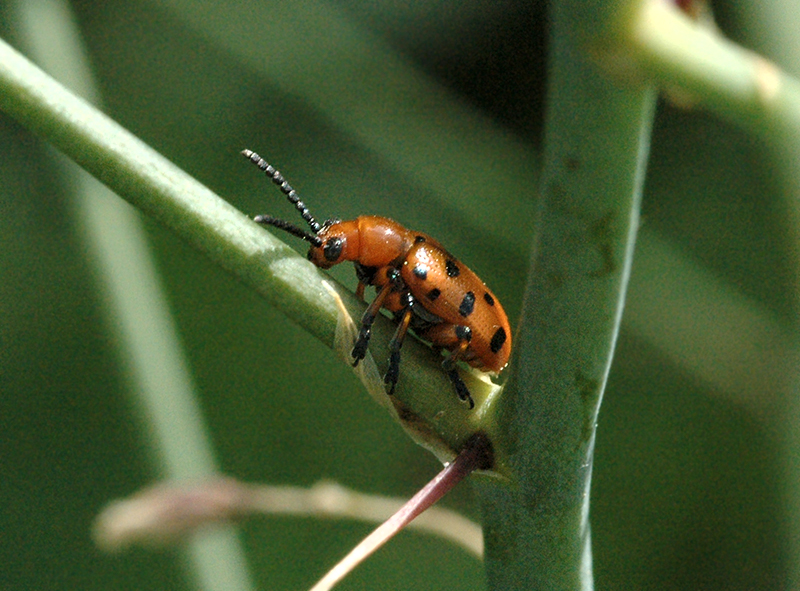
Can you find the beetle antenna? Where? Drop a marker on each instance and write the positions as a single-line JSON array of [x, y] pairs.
[[277, 178], [266, 220]]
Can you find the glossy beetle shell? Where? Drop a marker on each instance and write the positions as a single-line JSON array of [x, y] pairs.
[[445, 287]]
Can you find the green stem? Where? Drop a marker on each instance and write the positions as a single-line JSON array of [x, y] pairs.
[[736, 83], [596, 145]]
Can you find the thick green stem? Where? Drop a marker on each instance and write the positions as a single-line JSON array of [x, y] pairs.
[[537, 532], [597, 138]]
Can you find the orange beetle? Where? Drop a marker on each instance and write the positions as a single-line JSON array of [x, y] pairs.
[[416, 279]]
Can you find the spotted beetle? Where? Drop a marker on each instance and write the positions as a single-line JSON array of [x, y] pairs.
[[425, 287]]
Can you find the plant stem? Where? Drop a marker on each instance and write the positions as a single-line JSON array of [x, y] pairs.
[[732, 81], [597, 137]]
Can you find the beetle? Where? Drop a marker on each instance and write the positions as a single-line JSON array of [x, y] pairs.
[[425, 287]]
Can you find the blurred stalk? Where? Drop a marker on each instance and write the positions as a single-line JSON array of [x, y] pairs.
[[710, 329], [755, 94], [771, 27], [136, 305]]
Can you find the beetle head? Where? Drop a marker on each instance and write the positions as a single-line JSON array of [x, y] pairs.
[[339, 243]]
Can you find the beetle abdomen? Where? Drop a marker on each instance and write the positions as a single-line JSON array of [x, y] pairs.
[[451, 291]]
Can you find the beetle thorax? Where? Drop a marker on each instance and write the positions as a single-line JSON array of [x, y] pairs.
[[372, 241], [382, 241]]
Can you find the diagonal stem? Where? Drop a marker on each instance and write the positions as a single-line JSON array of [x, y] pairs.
[[476, 455]]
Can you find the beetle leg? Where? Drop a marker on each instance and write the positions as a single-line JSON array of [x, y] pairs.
[[393, 283], [360, 290], [464, 334], [460, 387], [393, 371], [365, 332]]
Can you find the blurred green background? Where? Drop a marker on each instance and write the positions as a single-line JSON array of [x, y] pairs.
[[689, 476]]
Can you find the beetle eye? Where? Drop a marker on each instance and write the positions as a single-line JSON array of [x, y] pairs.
[[333, 249]]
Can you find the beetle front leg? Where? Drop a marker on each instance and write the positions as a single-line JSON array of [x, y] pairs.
[[365, 332]]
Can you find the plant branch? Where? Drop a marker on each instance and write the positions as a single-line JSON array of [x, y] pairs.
[[168, 512], [736, 83]]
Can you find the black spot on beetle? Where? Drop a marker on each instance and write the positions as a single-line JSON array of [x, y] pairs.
[[498, 339], [420, 272], [433, 294], [418, 239], [452, 268], [488, 299], [463, 333], [467, 304]]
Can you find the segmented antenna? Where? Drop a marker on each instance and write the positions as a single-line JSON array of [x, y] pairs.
[[268, 220], [277, 178]]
